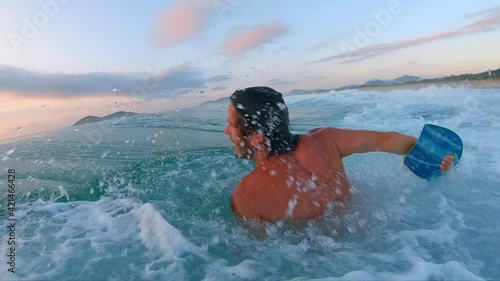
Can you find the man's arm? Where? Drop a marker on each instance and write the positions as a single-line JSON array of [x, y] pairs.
[[360, 141]]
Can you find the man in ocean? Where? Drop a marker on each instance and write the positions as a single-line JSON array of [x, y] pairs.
[[296, 176]]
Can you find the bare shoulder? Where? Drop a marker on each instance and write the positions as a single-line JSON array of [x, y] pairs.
[[244, 200], [326, 136], [324, 131], [345, 141]]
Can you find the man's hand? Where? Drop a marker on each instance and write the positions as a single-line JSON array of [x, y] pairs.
[[447, 162]]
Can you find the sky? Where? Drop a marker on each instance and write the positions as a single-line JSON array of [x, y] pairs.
[[61, 60]]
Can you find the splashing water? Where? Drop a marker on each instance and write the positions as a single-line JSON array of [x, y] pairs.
[[104, 203]]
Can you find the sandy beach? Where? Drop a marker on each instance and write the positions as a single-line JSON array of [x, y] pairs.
[[475, 84]]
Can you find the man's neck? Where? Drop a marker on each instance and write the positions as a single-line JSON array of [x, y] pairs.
[[261, 158]]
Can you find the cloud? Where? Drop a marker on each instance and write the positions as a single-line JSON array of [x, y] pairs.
[[493, 10], [181, 21], [154, 83], [218, 78], [334, 38], [318, 46], [219, 88], [490, 21], [279, 81], [254, 37]]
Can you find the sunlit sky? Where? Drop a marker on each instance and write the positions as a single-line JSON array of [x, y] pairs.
[[61, 60]]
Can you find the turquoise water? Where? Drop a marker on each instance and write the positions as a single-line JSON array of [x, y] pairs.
[[147, 198]]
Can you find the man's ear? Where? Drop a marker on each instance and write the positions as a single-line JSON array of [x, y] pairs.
[[257, 137]]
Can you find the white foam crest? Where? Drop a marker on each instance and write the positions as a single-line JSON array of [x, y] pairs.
[[242, 271], [157, 233], [52, 232], [93, 231], [421, 270], [442, 235], [439, 236]]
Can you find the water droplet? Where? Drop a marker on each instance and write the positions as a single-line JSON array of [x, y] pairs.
[[273, 173], [240, 106], [19, 129], [43, 105], [281, 106], [114, 89], [351, 229], [116, 104], [76, 130], [177, 109], [215, 239], [223, 109]]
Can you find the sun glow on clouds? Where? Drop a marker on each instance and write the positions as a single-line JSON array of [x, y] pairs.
[[254, 37], [181, 21]]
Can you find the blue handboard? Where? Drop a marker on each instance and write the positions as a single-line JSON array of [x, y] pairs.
[[433, 145]]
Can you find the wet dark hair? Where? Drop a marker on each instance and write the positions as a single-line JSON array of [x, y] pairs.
[[263, 108]]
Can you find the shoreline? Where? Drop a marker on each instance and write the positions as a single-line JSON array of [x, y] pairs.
[[474, 84]]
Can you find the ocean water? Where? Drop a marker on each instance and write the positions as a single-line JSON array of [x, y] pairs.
[[147, 198]]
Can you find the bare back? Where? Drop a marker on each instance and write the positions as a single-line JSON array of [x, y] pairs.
[[299, 185]]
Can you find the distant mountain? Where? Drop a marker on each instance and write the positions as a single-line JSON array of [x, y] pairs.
[[350, 87], [93, 119], [406, 79], [495, 74], [399, 80], [376, 82]]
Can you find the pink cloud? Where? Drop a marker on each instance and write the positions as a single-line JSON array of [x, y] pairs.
[[254, 37], [181, 21], [492, 10], [489, 21]]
